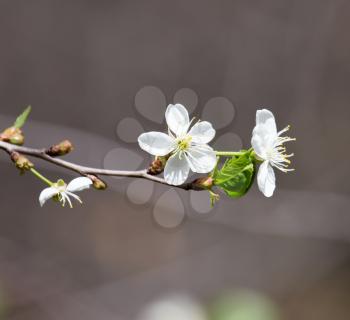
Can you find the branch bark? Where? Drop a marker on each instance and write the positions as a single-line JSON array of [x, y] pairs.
[[83, 170]]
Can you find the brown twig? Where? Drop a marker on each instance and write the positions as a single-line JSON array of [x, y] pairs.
[[84, 171]]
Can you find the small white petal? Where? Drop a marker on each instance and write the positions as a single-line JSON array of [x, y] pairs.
[[258, 146], [202, 132], [266, 118], [176, 170], [47, 194], [201, 158], [156, 143], [266, 179], [177, 119], [263, 140], [263, 115], [79, 184], [261, 144]]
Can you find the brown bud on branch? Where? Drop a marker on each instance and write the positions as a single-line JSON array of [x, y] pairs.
[[97, 182], [21, 162], [13, 135], [60, 149], [157, 165], [203, 183]]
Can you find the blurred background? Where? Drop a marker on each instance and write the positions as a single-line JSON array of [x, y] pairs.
[[100, 72]]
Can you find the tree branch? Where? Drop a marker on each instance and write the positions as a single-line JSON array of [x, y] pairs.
[[83, 170]]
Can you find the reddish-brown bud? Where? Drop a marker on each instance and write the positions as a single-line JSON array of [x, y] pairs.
[[60, 149], [203, 183], [97, 182], [21, 162], [157, 165], [13, 135]]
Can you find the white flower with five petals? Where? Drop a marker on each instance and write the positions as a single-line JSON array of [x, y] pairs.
[[61, 191], [188, 148], [268, 146]]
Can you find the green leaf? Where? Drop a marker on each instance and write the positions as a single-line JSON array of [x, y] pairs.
[[21, 120], [236, 175]]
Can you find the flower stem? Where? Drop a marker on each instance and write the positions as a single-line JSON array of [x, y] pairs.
[[229, 153], [41, 177]]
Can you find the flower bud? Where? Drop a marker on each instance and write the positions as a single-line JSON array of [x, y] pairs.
[[17, 139], [157, 165], [203, 183], [60, 149], [13, 135], [21, 162], [97, 182]]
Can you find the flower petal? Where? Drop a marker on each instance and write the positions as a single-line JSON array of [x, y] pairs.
[[201, 158], [266, 179], [177, 119], [79, 184], [176, 169], [156, 143], [266, 118], [202, 132], [47, 194], [262, 141], [263, 115]]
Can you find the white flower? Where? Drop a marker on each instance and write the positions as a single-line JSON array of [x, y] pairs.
[[268, 146], [188, 147], [61, 191]]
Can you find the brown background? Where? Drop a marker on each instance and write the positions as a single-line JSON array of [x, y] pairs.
[[80, 64]]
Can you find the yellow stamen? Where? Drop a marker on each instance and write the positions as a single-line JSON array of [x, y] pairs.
[[184, 143]]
